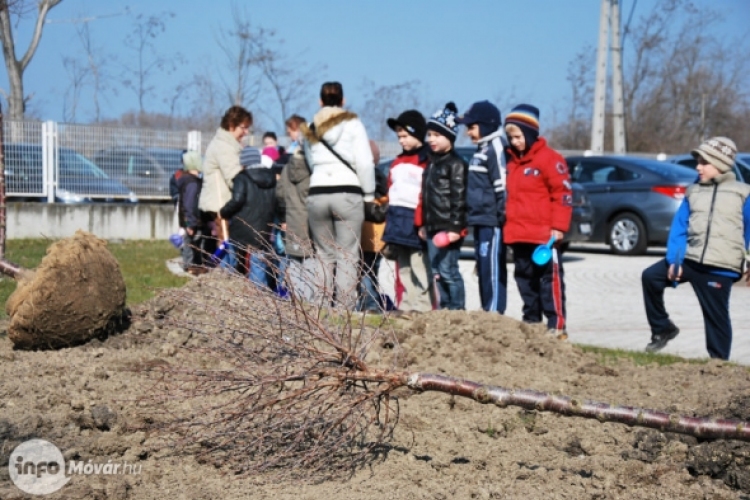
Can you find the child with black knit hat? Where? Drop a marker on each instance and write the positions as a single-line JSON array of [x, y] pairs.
[[404, 188], [485, 202], [441, 214], [538, 208]]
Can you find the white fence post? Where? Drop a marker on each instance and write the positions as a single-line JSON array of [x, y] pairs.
[[49, 159], [194, 140]]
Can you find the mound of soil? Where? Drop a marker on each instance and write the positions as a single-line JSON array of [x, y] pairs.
[[77, 293], [86, 401]]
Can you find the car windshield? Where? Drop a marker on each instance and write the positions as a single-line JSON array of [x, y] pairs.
[[76, 165], [170, 159], [669, 171]]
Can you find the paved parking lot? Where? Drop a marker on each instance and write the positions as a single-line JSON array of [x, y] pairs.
[[605, 304]]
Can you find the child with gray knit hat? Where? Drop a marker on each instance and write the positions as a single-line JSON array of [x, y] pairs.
[[707, 247], [188, 187], [442, 208], [250, 212]]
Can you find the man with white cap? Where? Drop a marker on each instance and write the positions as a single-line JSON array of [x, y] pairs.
[[707, 247]]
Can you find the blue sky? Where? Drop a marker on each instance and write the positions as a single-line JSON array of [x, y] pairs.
[[506, 51]]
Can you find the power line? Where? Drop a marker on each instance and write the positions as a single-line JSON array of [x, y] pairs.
[[80, 20]]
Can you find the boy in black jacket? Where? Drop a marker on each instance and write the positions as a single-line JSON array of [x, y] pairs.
[[485, 199], [250, 213], [442, 208]]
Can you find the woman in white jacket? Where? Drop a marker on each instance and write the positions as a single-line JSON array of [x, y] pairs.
[[222, 163], [343, 178]]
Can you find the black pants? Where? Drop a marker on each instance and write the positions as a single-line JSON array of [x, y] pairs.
[[712, 291], [542, 288]]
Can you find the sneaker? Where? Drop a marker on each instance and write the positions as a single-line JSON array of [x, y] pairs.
[[558, 334], [660, 340]]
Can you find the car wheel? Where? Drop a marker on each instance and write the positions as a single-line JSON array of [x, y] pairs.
[[627, 235]]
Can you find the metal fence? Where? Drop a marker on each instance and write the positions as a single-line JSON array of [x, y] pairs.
[[72, 163]]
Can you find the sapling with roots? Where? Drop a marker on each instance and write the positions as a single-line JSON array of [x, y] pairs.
[[296, 388]]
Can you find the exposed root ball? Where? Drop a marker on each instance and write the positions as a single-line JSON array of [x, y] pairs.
[[77, 293]]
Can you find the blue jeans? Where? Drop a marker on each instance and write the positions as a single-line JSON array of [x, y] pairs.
[[369, 295], [449, 285], [258, 269]]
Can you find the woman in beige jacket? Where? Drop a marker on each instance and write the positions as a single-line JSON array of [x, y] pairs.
[[222, 163]]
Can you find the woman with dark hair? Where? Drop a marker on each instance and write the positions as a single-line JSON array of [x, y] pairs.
[[342, 179], [222, 163]]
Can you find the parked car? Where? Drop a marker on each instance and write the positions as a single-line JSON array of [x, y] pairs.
[[580, 226], [741, 164], [79, 180], [138, 168], [634, 199]]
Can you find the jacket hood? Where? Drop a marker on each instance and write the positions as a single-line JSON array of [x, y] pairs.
[[297, 168], [725, 177], [264, 177], [540, 143], [496, 134], [327, 123]]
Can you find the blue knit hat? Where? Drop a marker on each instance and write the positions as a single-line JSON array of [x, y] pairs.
[[444, 121], [249, 156], [485, 114]]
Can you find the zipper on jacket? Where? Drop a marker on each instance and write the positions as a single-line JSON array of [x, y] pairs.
[[710, 217]]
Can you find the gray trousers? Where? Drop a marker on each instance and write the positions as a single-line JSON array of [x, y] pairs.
[[413, 273], [303, 277], [336, 228]]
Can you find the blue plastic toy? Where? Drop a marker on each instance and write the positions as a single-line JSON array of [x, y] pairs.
[[543, 253]]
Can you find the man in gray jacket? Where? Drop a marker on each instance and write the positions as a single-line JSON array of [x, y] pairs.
[[707, 247]]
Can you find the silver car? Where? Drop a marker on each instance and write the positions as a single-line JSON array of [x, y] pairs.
[[634, 199]]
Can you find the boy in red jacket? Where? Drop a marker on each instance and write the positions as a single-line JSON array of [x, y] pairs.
[[538, 206]]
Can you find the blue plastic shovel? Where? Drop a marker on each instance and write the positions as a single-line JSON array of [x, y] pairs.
[[543, 253]]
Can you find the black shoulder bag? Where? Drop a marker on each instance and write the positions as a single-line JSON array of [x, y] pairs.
[[374, 212]]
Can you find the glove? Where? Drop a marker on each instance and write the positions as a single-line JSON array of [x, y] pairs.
[[375, 212]]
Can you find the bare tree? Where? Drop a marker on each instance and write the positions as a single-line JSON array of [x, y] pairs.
[[384, 101], [288, 79], [15, 66], [240, 46], [97, 68], [681, 85], [148, 59], [78, 74], [575, 131]]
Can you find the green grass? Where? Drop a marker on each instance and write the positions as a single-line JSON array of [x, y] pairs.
[[142, 264], [639, 358]]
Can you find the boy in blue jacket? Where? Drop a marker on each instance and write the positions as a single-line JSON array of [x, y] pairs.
[[707, 245], [485, 202]]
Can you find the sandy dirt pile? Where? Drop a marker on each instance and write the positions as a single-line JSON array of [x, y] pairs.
[[83, 399]]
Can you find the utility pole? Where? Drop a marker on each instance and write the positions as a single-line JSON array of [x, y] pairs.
[[609, 20]]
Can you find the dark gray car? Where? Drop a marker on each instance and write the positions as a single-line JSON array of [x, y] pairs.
[[78, 179], [634, 199], [741, 165], [138, 169]]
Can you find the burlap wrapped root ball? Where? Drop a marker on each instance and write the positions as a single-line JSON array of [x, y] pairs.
[[77, 293]]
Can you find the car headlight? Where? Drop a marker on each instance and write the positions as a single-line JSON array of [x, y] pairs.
[[65, 196]]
